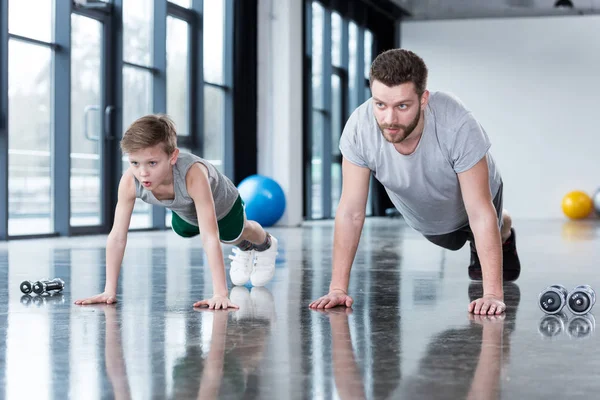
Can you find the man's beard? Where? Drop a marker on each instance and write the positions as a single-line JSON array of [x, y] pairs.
[[406, 130]]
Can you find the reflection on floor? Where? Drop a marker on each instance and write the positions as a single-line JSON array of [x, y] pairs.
[[408, 336]]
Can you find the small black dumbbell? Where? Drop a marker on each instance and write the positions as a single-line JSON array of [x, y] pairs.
[[581, 299], [553, 299], [27, 287], [55, 285]]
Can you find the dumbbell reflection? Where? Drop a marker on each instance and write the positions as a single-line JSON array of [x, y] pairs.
[[43, 300], [581, 326], [576, 326], [552, 325]]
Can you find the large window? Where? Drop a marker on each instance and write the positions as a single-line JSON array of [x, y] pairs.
[[72, 84], [137, 80], [178, 73], [86, 121], [217, 82], [30, 86], [339, 50]]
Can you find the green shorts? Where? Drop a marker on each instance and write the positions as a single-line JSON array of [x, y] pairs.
[[231, 226]]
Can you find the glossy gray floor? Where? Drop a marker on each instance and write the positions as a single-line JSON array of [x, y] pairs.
[[409, 335]]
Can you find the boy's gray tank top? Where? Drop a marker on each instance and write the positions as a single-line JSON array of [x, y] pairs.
[[223, 190]]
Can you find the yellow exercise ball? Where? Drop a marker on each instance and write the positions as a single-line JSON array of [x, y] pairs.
[[577, 204]]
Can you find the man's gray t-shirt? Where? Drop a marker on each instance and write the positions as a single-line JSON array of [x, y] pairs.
[[424, 185]]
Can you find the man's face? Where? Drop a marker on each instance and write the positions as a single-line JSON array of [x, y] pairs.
[[152, 166], [397, 109]]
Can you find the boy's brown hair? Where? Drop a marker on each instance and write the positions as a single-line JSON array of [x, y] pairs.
[[148, 131], [397, 66]]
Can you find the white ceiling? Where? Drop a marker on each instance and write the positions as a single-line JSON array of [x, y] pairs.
[[448, 9]]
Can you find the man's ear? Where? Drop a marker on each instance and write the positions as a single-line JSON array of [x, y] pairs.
[[424, 99]]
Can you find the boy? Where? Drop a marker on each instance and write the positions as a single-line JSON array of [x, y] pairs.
[[201, 200]]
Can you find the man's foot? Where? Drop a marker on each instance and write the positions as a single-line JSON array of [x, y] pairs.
[[475, 267], [511, 264], [241, 266], [511, 268], [264, 264]]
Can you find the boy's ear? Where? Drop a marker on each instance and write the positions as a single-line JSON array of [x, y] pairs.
[[174, 156]]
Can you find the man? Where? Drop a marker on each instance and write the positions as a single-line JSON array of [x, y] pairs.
[[431, 155]]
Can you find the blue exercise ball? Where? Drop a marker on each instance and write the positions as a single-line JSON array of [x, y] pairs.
[[264, 199], [596, 200]]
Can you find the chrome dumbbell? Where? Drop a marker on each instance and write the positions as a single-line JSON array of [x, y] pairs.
[[581, 299], [26, 287], [55, 285], [552, 299], [42, 286]]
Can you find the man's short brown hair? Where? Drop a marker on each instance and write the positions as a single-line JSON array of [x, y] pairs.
[[397, 66], [148, 131]]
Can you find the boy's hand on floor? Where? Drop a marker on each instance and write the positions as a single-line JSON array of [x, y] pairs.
[[217, 302], [108, 298]]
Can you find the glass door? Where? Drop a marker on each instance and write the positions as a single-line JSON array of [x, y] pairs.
[[89, 120]]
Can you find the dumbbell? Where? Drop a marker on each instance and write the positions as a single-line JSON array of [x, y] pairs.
[[581, 299], [43, 286], [553, 299], [27, 287]]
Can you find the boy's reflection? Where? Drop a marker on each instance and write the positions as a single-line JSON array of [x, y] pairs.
[[113, 352], [229, 369], [238, 343]]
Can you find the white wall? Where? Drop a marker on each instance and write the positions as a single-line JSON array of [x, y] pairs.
[[280, 60], [534, 84]]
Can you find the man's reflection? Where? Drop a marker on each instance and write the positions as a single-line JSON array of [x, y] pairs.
[[459, 363], [466, 363], [347, 375]]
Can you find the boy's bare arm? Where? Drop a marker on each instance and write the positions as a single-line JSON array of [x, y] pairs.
[[116, 241], [198, 186]]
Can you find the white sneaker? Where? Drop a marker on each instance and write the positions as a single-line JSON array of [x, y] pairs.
[[241, 266], [264, 265]]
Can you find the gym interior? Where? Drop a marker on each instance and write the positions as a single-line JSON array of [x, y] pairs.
[[263, 89]]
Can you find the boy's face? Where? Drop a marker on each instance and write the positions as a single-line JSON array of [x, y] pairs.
[[152, 166]]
